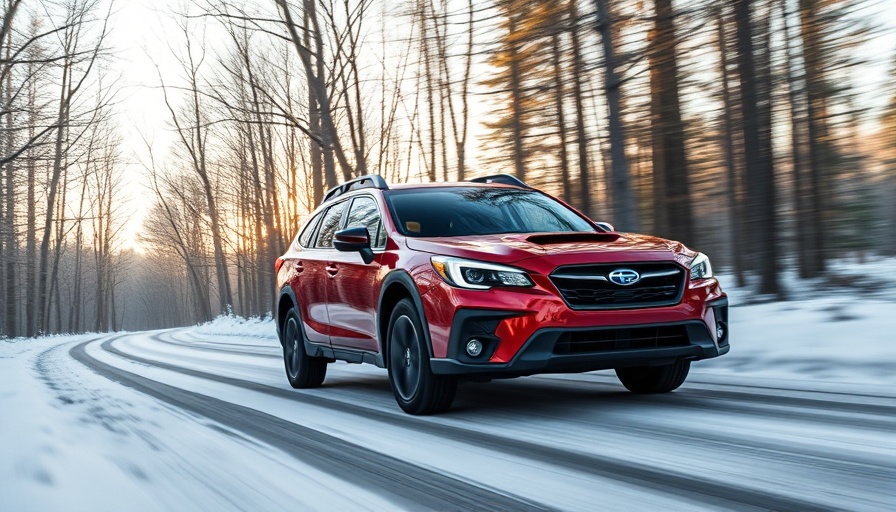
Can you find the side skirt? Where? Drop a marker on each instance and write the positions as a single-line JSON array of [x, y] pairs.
[[344, 354]]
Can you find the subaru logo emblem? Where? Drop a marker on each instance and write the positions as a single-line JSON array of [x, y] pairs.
[[624, 276]]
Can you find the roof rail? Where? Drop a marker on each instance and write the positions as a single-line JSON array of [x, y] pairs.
[[369, 181], [502, 179]]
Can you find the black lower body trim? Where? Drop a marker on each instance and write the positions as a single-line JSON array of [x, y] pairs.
[[539, 354]]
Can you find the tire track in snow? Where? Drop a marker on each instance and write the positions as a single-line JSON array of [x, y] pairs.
[[547, 389], [833, 463], [741, 402], [880, 417], [740, 393], [724, 494], [209, 346], [403, 483], [549, 407]]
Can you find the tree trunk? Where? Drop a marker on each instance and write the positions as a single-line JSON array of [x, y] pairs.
[[317, 84], [432, 168], [358, 116], [624, 207], [817, 134], [43, 302], [759, 177], [734, 209], [796, 100], [317, 171], [31, 218], [462, 141], [221, 268], [519, 157], [59, 220], [661, 220], [766, 186], [268, 246], [559, 98], [76, 306], [578, 76], [10, 245], [667, 123]]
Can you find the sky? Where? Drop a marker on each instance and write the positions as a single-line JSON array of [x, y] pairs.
[[138, 37], [142, 35]]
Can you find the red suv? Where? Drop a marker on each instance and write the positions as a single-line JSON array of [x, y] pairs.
[[440, 283]]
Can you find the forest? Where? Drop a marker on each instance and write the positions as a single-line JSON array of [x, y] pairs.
[[756, 131]]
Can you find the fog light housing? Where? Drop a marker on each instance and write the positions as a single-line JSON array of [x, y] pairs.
[[474, 348], [721, 332]]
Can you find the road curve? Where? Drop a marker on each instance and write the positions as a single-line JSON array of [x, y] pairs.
[[575, 442]]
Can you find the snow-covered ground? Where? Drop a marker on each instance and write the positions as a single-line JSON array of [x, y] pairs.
[[799, 415], [839, 328]]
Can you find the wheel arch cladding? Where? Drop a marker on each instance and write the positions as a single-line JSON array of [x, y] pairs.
[[286, 302], [398, 285]]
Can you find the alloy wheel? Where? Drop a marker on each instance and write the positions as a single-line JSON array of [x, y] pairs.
[[405, 357], [293, 353]]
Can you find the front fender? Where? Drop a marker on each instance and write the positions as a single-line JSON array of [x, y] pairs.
[[404, 279]]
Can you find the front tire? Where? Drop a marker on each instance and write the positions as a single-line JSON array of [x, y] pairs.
[[417, 390], [654, 379], [302, 370]]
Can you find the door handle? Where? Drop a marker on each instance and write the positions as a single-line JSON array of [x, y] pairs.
[[299, 267], [332, 270]]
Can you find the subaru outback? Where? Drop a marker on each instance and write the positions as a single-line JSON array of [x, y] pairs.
[[451, 282]]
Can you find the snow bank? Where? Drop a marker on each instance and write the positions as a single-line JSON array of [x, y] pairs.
[[230, 325], [839, 327]]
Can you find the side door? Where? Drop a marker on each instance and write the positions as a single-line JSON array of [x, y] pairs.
[[352, 297], [313, 280]]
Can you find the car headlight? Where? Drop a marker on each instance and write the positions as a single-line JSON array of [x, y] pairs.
[[478, 275], [700, 267]]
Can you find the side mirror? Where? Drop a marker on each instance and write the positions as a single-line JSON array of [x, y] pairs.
[[606, 226], [352, 240]]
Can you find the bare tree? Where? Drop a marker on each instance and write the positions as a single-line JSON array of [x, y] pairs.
[[759, 176], [77, 66], [728, 114], [328, 138], [193, 137], [624, 206], [671, 179]]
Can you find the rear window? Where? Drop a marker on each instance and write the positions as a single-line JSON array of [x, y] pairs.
[[304, 239], [466, 211]]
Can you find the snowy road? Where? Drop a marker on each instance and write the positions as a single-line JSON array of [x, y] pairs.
[[191, 420]]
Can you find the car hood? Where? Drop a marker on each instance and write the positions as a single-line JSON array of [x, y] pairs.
[[545, 251]]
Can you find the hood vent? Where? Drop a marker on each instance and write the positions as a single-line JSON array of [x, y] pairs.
[[572, 238]]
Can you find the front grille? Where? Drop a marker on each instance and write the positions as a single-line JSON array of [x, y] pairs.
[[590, 287], [605, 340]]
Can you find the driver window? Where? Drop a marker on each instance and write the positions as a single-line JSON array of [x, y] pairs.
[[365, 213], [329, 226]]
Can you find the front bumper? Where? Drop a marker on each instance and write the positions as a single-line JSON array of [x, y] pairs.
[[536, 332], [540, 353]]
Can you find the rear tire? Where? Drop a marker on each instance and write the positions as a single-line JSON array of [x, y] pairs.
[[302, 370], [654, 379], [417, 390]]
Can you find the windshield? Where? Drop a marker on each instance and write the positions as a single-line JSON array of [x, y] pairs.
[[465, 211]]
